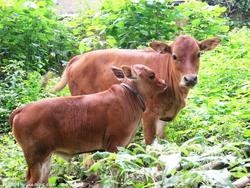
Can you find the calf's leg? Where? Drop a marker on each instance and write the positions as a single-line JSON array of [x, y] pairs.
[[34, 174], [38, 166], [38, 173], [113, 142]]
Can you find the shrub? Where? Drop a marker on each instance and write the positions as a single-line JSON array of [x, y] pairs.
[[137, 22], [90, 33], [201, 20], [32, 40], [237, 10], [129, 24], [18, 87], [30, 32]]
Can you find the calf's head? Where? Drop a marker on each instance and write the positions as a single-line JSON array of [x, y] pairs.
[[143, 77], [185, 54]]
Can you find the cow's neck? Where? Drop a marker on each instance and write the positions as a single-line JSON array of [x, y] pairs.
[[174, 90]]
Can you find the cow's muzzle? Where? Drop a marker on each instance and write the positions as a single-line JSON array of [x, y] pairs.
[[190, 80]]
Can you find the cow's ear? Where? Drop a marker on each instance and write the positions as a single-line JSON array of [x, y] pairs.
[[117, 72], [209, 44], [127, 72], [160, 47]]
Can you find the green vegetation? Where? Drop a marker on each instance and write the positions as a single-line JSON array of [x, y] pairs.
[[237, 10], [206, 145], [30, 32], [147, 21], [31, 39]]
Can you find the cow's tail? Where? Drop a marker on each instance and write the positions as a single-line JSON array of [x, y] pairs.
[[64, 78], [13, 114], [63, 81]]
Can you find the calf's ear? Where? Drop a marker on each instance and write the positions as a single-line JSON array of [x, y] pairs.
[[160, 47], [127, 72], [209, 44], [117, 72]]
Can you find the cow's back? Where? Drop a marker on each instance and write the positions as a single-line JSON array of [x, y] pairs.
[[92, 72]]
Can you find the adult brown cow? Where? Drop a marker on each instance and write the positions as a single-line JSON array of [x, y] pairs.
[[177, 64], [86, 123]]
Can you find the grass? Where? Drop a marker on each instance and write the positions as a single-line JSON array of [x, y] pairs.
[[206, 145]]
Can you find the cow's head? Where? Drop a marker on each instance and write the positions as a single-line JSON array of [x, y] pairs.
[[185, 55], [144, 77]]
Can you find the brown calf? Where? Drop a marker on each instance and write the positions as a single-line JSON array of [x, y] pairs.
[[79, 124], [177, 63]]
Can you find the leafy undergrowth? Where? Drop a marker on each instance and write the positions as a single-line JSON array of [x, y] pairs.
[[207, 144], [195, 163]]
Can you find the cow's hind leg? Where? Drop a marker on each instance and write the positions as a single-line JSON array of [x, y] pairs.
[[160, 128]]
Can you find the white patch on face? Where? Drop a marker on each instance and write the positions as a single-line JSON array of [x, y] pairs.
[[182, 82]]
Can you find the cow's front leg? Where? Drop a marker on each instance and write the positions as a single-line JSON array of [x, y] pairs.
[[160, 128], [149, 126]]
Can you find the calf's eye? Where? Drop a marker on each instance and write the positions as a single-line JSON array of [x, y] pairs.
[[151, 77], [174, 56]]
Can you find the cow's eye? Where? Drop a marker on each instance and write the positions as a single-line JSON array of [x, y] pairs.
[[174, 56], [151, 77], [199, 54]]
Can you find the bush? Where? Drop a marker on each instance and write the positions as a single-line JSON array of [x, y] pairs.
[[129, 24], [32, 40], [237, 10], [201, 20], [136, 23], [30, 32], [18, 87], [90, 32]]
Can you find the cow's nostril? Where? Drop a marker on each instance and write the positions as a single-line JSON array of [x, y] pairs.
[[195, 78], [185, 78]]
